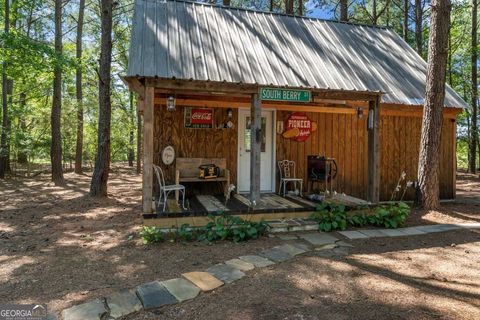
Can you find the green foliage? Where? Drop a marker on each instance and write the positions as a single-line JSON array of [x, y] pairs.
[[185, 233], [330, 216], [334, 217], [392, 215], [151, 235], [223, 226]]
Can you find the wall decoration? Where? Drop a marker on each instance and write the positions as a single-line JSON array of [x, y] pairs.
[[198, 118], [298, 127], [168, 155]]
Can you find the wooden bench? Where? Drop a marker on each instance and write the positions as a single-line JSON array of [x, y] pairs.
[[187, 171]]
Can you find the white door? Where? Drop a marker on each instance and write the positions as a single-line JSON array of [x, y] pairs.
[[267, 166]]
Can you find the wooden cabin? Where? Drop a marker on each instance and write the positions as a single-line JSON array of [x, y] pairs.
[[221, 82]]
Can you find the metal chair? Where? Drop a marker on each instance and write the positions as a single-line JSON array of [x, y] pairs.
[[287, 174], [166, 189]]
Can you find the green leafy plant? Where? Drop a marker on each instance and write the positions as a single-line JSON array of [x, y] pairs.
[[151, 235], [223, 226], [330, 216], [185, 233], [358, 220], [391, 215]]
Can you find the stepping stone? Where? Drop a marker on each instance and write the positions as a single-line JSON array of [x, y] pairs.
[[225, 272], [430, 229], [412, 231], [123, 303], [287, 237], [292, 250], [302, 246], [326, 247], [204, 280], [393, 232], [154, 295], [181, 289], [343, 244], [240, 264], [319, 238], [90, 310], [353, 234], [257, 261], [469, 225], [277, 255], [373, 233], [449, 227]]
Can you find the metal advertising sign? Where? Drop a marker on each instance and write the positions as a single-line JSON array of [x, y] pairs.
[[298, 127], [198, 118], [290, 95]]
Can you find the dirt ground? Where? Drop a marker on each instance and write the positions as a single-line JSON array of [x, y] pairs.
[[61, 247]]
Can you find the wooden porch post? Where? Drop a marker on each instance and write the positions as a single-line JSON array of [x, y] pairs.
[[148, 149], [255, 147], [374, 151]]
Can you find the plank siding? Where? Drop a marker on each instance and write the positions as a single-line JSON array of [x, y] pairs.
[[342, 136]]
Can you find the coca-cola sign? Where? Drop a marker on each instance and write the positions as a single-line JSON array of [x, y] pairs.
[[198, 118]]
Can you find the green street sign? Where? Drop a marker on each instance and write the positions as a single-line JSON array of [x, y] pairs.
[[274, 94]]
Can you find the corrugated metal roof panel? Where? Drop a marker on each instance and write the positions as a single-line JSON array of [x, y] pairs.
[[187, 40]]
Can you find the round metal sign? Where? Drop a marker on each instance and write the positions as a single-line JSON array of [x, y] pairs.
[[168, 155]]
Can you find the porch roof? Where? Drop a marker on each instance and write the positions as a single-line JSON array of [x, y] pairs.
[[194, 41]]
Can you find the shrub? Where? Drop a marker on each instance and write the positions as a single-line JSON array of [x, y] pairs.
[[330, 216], [151, 235], [391, 215], [185, 233]]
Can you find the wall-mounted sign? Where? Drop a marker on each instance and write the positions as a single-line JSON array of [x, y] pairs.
[[298, 127], [168, 155], [198, 118], [291, 95]]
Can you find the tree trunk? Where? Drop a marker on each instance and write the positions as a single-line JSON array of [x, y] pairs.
[[271, 5], [79, 90], [374, 12], [419, 26], [139, 143], [226, 2], [344, 10], [56, 145], [405, 19], [300, 8], [131, 136], [22, 157], [472, 163], [98, 186], [289, 6], [428, 189], [4, 145]]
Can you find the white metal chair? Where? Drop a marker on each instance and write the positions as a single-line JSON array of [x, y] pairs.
[[287, 174], [166, 189]]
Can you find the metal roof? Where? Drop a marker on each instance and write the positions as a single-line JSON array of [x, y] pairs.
[[196, 41]]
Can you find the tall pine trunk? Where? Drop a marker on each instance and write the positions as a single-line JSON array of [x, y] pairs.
[[56, 145], [428, 190], [472, 159], [98, 186], [419, 26], [22, 148], [405, 19], [4, 145], [79, 90], [344, 10], [139, 143], [289, 6]]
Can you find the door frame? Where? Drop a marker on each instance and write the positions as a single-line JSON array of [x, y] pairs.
[[274, 150]]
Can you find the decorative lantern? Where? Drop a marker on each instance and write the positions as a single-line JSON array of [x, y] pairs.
[[171, 103]]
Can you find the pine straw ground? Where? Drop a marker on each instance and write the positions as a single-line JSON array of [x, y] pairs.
[[61, 247]]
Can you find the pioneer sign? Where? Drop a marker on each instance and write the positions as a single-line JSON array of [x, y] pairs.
[[198, 118], [298, 127], [290, 95]]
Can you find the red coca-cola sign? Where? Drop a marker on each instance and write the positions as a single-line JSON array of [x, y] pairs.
[[198, 118], [298, 127]]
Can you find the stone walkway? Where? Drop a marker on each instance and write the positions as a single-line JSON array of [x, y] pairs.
[[160, 293]]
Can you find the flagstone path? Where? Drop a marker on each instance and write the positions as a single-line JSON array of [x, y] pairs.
[[157, 294]]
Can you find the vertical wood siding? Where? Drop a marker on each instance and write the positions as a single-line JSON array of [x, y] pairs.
[[341, 136], [194, 143]]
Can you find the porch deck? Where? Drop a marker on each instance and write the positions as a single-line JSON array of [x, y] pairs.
[[270, 207]]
